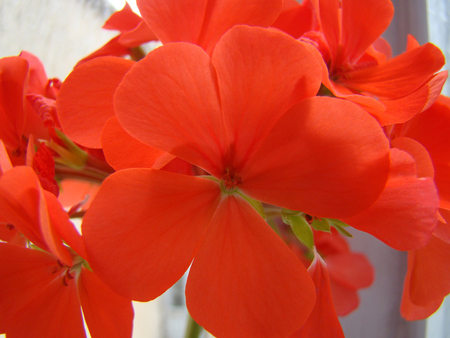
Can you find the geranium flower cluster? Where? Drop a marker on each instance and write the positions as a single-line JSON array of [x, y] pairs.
[[242, 149]]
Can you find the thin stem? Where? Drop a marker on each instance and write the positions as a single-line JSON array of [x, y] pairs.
[[92, 175], [193, 330]]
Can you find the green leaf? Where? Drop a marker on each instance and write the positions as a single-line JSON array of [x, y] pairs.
[[301, 228]]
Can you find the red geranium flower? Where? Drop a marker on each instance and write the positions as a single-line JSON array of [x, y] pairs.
[[42, 290], [248, 117], [358, 63]]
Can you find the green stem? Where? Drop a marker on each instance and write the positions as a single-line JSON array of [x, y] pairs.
[[90, 175], [193, 330]]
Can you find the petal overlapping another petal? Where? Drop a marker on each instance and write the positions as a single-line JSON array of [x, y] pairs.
[[28, 281], [122, 151], [244, 281], [169, 100], [140, 253], [399, 76], [429, 280], [328, 158], [404, 216], [85, 101], [261, 74], [13, 81], [362, 23], [204, 22], [106, 313], [323, 321]]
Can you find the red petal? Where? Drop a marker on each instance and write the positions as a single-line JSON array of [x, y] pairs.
[[123, 151], [75, 191], [323, 321], [244, 281], [424, 165], [112, 48], [345, 300], [408, 309], [140, 253], [362, 23], [85, 101], [123, 20], [106, 313], [64, 227], [206, 21], [260, 77], [430, 128], [403, 109], [326, 157], [295, 19], [430, 277], [5, 162], [169, 100], [13, 80], [328, 12], [442, 231], [20, 205], [35, 303], [55, 311], [399, 76], [351, 270], [404, 216]]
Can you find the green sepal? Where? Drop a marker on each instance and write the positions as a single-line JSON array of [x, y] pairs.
[[257, 205], [340, 227], [300, 227], [321, 225]]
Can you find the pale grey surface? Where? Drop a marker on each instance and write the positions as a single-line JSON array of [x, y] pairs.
[[378, 315], [439, 30], [59, 32]]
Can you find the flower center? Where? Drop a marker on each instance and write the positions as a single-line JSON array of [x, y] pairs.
[[64, 272], [230, 181]]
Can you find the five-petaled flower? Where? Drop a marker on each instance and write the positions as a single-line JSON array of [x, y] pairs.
[[247, 116]]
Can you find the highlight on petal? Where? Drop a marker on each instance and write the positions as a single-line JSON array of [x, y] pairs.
[[328, 158], [85, 101], [323, 321], [123, 151], [244, 281], [106, 313], [140, 253], [261, 74], [404, 216], [169, 100]]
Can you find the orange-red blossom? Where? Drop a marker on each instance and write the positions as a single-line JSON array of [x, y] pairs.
[[247, 115]]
